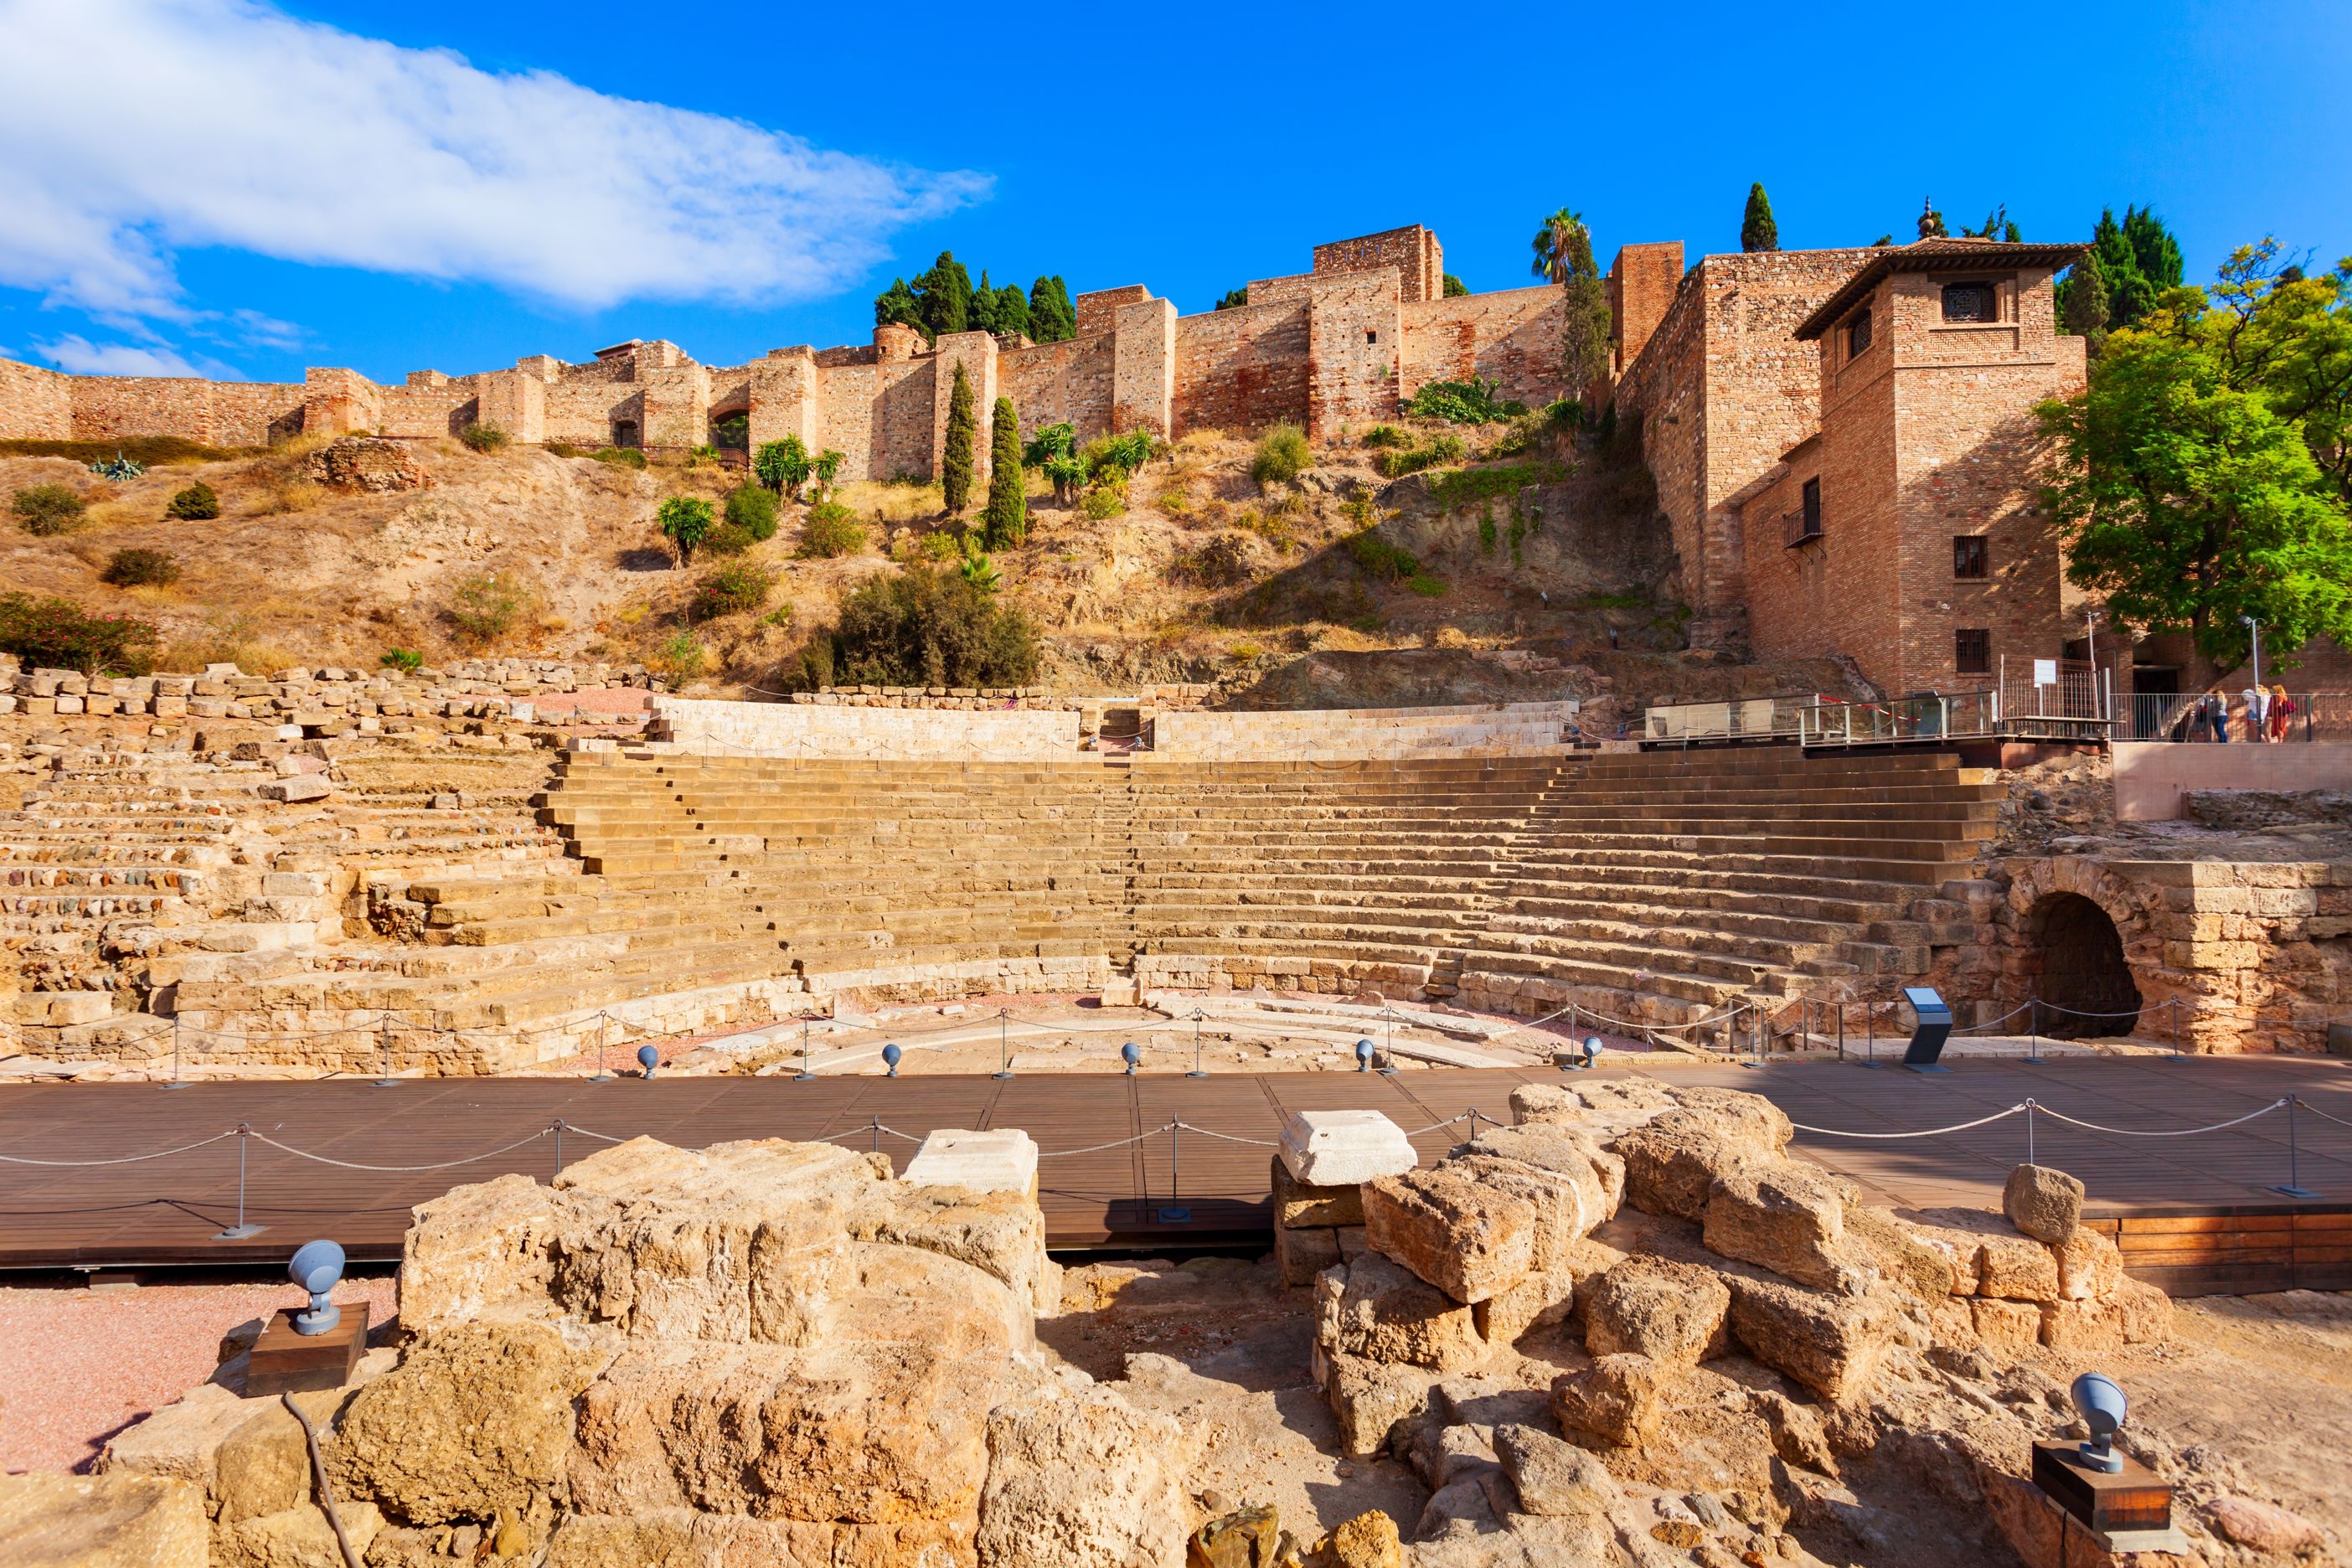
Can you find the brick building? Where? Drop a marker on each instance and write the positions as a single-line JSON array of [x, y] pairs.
[[1845, 450]]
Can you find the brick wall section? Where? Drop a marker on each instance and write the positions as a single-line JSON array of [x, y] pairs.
[[1355, 333], [1510, 337], [1143, 375], [1641, 284], [1066, 382], [36, 405], [48, 406], [1723, 387], [1413, 251], [1098, 312], [1242, 369], [976, 351]]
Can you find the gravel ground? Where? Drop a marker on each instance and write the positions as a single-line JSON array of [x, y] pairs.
[[77, 1364]]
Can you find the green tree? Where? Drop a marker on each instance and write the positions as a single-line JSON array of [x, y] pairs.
[[1052, 317], [2082, 305], [925, 627], [2139, 262], [943, 295], [1234, 299], [1005, 519], [1998, 225], [2193, 490], [1013, 310], [684, 522], [898, 304], [1931, 222], [955, 463], [1563, 255], [1455, 287], [783, 465], [1756, 229], [824, 467], [981, 317]]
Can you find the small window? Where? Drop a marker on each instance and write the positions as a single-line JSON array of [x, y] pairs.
[[1970, 303], [1857, 334], [1969, 560], [1804, 524], [624, 432], [1371, 337], [1972, 651]]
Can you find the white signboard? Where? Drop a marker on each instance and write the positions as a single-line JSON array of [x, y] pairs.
[[2045, 673]]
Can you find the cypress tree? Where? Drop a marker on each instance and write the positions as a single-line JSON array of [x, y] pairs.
[[1007, 519], [897, 304], [982, 317], [1013, 310], [1052, 317], [945, 292], [955, 464], [1756, 229], [2083, 303]]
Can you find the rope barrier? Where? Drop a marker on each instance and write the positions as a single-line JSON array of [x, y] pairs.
[[442, 1165], [125, 1159], [2173, 1132], [1924, 1133], [2320, 1114]]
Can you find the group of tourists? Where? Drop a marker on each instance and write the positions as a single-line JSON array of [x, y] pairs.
[[2266, 712]]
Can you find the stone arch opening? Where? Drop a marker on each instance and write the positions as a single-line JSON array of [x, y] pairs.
[[730, 428], [2079, 967]]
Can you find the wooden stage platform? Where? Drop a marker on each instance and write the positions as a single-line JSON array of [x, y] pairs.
[[2194, 1213]]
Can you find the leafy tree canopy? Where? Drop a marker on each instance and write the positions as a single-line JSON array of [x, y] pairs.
[[1233, 299], [1455, 287], [1756, 229], [2206, 476]]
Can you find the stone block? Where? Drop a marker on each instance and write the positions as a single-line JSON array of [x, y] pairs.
[[2146, 1313], [1674, 1313], [1370, 1400], [1787, 1217], [1543, 1298], [1618, 1401], [1553, 1479], [2009, 1326], [1673, 1161], [127, 1521], [1303, 1252], [1344, 1148], [1003, 1161], [1834, 1344], [2082, 1327], [2045, 1204], [1468, 1240], [309, 786], [1373, 1308], [1298, 1204], [2088, 1266]]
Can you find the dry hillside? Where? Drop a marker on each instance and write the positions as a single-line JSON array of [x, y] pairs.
[[1540, 548]]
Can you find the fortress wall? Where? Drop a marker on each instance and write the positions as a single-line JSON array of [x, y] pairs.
[[790, 730], [1511, 338], [1354, 335], [1412, 250], [878, 415], [582, 412], [421, 411], [36, 405], [218, 413], [1067, 381], [1242, 369]]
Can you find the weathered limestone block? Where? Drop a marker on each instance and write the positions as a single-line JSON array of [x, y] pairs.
[[1368, 1541], [1929, 1259], [1296, 1203], [1834, 1344], [1370, 1399], [1344, 1148], [478, 1247], [1798, 1435], [1553, 1479], [2046, 1204], [1001, 1160], [2009, 1265], [1246, 1538], [1302, 1254], [1673, 1161], [1468, 1240], [1001, 1233], [681, 1536], [127, 1521], [365, 463], [2009, 1326], [1081, 1478], [2089, 1265], [297, 1538], [1618, 1401], [2082, 1326], [1605, 1108], [1787, 1217], [1674, 1313], [474, 1419], [1590, 1179], [2146, 1312], [181, 1441], [1545, 1296], [1374, 1308], [264, 1466]]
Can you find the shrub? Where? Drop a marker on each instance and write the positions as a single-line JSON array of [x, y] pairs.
[[783, 465], [1379, 558], [925, 627], [830, 529], [939, 546], [822, 467], [405, 660], [140, 569], [685, 521], [1103, 501], [149, 450], [726, 539], [681, 656], [487, 439], [1427, 586], [118, 469], [752, 509], [1052, 441], [1282, 456], [737, 588], [47, 509], [485, 608], [1471, 402], [1380, 435], [195, 504], [702, 456], [1400, 461], [619, 456], [1466, 487], [58, 633], [980, 572], [1122, 454]]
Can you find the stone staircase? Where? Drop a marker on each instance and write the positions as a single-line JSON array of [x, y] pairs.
[[495, 909]]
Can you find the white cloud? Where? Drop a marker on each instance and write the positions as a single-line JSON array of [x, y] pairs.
[[82, 357], [132, 129]]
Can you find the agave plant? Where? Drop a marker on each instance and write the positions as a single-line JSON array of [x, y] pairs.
[[118, 469]]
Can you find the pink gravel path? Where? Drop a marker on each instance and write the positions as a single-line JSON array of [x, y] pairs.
[[77, 1365]]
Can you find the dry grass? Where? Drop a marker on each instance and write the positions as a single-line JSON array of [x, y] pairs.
[[227, 638], [888, 504]]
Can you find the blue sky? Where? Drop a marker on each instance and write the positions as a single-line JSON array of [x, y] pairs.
[[220, 187]]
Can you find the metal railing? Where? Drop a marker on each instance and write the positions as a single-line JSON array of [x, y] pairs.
[[2300, 717], [1937, 716]]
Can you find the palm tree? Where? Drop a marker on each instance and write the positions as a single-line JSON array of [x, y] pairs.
[[1563, 249]]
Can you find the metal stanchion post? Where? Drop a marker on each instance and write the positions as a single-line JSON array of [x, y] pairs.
[[559, 1146], [2175, 1029], [242, 1229], [1004, 1042], [384, 1030], [2029, 1129], [1840, 1028], [805, 1075], [177, 1082], [1198, 1070], [2294, 1187], [603, 1027], [1869, 1036], [2032, 1032]]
